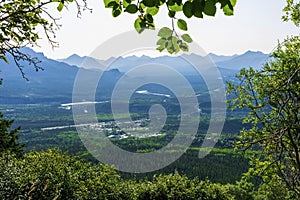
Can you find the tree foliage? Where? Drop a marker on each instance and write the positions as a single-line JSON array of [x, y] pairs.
[[292, 11], [55, 175], [9, 137], [170, 39], [273, 97], [20, 22]]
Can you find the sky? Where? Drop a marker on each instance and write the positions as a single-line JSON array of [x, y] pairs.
[[256, 25]]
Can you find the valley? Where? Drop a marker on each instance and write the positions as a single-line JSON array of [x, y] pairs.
[[42, 107]]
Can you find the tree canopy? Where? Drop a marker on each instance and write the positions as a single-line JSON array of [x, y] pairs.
[[52, 174], [20, 22], [291, 11], [9, 137], [272, 95]]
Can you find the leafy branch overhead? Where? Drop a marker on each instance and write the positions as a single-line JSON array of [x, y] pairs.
[[19, 24], [170, 39]]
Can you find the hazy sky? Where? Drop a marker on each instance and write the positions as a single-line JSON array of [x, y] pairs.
[[255, 26]]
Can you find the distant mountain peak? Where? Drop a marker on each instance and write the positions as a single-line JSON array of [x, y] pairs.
[[74, 56], [255, 59], [253, 52], [33, 53], [213, 54], [73, 59], [220, 58]]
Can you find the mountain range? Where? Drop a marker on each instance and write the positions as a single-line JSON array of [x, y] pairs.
[[55, 82], [254, 59]]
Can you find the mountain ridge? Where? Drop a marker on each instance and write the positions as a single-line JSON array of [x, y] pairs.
[[55, 82], [236, 61]]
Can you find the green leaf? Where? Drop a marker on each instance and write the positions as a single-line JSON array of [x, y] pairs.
[[60, 6], [161, 41], [149, 18], [112, 4], [223, 3], [152, 10], [182, 24], [179, 2], [187, 38], [160, 48], [228, 9], [116, 12], [126, 3], [162, 44], [132, 8], [171, 14], [175, 44], [151, 26], [184, 47], [106, 2], [198, 6], [175, 7], [172, 45], [170, 2], [188, 9], [210, 8], [165, 32], [139, 25], [233, 3], [149, 3]]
